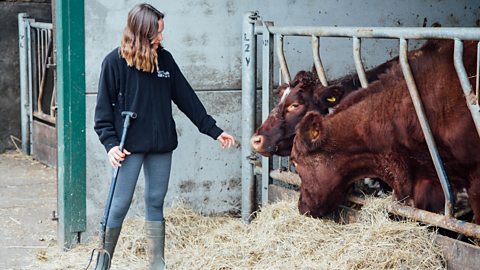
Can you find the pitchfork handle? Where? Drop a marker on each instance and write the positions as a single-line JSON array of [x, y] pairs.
[[126, 124]]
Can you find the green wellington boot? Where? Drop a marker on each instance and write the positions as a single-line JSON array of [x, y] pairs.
[[111, 238], [155, 233]]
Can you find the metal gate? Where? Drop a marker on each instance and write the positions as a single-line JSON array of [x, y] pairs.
[[38, 98], [253, 27]]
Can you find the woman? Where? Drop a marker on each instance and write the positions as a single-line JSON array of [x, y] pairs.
[[141, 76]]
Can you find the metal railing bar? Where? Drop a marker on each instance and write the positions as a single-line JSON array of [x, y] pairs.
[[267, 89], [317, 61], [45, 117], [477, 78], [44, 47], [357, 57], [30, 79], [42, 53], [24, 93], [470, 33], [449, 223], [43, 78], [281, 58], [466, 86], [38, 64], [41, 25], [417, 102], [249, 53]]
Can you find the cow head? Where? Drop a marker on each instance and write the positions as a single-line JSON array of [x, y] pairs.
[[320, 191], [325, 174], [303, 94]]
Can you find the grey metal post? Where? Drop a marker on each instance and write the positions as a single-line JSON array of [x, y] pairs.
[[281, 58], [417, 102], [248, 111], [317, 61], [477, 79], [267, 88], [31, 75], [24, 100], [357, 56], [466, 86]]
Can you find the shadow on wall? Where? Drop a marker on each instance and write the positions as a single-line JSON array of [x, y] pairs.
[[9, 66]]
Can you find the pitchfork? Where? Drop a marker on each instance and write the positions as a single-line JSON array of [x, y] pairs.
[[103, 224]]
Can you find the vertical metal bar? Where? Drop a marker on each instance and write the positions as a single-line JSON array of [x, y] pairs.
[[466, 86], [280, 76], [317, 61], [43, 72], [51, 64], [39, 52], [417, 102], [30, 79], [33, 68], [248, 111], [465, 83], [477, 80], [267, 89], [358, 62], [281, 58], [24, 100], [42, 53]]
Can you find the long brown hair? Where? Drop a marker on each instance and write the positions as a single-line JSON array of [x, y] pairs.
[[139, 33]]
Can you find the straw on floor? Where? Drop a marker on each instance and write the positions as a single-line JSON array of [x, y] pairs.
[[278, 238]]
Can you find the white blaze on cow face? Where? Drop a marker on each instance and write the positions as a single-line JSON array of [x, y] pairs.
[[285, 94]]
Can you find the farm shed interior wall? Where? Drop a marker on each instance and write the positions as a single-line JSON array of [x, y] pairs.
[[205, 39]]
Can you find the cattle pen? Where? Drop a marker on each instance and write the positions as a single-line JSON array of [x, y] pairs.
[[272, 42]]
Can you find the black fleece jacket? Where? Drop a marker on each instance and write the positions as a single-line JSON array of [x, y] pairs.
[[149, 95]]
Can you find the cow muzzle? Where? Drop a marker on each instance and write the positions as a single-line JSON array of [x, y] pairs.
[[257, 142]]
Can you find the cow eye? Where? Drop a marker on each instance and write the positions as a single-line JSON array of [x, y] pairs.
[[293, 107]]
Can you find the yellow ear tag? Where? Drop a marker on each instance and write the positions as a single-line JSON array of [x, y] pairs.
[[331, 99]]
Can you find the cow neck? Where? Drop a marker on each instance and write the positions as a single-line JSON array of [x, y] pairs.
[[365, 165], [342, 137]]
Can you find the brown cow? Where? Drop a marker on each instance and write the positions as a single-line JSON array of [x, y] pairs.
[[275, 135], [375, 133], [303, 94]]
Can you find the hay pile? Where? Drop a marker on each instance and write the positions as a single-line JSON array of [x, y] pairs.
[[279, 238]]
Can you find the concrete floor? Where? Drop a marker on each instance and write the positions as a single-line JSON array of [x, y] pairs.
[[27, 199]]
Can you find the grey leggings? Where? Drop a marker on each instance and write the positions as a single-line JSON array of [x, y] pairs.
[[156, 168]]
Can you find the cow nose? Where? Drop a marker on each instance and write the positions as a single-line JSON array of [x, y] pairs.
[[257, 142]]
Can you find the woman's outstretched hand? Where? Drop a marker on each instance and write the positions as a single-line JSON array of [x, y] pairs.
[[115, 156], [226, 140]]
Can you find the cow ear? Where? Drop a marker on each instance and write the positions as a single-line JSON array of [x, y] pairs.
[[309, 133], [328, 97]]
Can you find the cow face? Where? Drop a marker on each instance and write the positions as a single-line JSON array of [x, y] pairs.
[[322, 187], [305, 93]]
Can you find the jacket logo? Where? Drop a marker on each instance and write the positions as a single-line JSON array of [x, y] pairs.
[[163, 74]]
